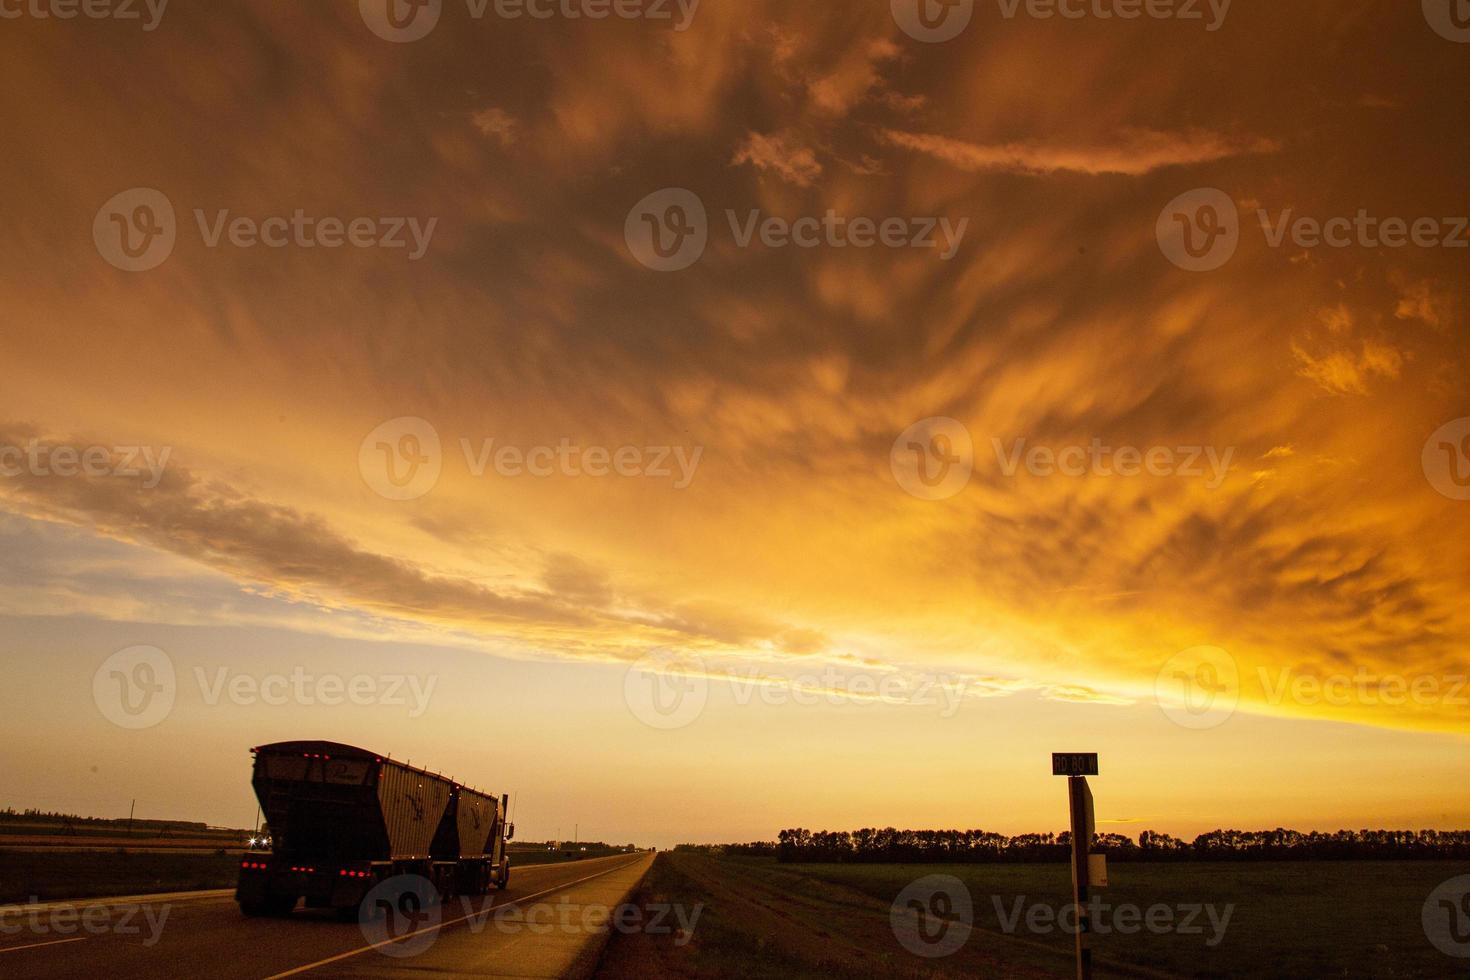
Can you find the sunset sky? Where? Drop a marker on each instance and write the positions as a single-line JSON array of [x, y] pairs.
[[764, 527]]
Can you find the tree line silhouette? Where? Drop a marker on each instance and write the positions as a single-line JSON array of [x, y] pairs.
[[891, 846]]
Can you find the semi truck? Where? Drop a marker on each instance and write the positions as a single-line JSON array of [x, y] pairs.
[[343, 819]]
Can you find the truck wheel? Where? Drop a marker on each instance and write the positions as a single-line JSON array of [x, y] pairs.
[[502, 880]]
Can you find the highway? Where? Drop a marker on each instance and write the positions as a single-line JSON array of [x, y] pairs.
[[549, 923]]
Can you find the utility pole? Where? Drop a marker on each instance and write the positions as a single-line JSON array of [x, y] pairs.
[[132, 808], [1081, 806], [1077, 766]]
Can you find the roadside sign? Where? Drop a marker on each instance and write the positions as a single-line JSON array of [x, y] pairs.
[[1089, 817], [1088, 870], [1097, 871], [1074, 763]]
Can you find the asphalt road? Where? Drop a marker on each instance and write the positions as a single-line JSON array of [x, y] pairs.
[[536, 928]]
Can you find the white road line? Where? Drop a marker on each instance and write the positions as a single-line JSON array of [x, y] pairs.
[[442, 925], [162, 898], [54, 942]]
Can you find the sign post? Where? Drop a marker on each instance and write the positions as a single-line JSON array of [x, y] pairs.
[[1077, 766]]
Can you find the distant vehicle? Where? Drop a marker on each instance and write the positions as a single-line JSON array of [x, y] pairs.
[[343, 819]]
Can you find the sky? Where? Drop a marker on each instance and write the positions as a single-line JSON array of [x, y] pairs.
[[524, 396]]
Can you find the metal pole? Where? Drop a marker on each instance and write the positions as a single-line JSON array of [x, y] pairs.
[[1081, 841]]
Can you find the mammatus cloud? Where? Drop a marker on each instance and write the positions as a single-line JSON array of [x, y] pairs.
[[1133, 153], [782, 155]]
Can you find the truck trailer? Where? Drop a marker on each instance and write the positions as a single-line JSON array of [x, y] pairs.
[[343, 819]]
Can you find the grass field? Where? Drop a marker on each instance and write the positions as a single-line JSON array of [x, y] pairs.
[[543, 856], [1338, 919], [68, 875]]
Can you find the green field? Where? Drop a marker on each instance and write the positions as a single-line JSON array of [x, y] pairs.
[[56, 876], [543, 856], [1306, 919]]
